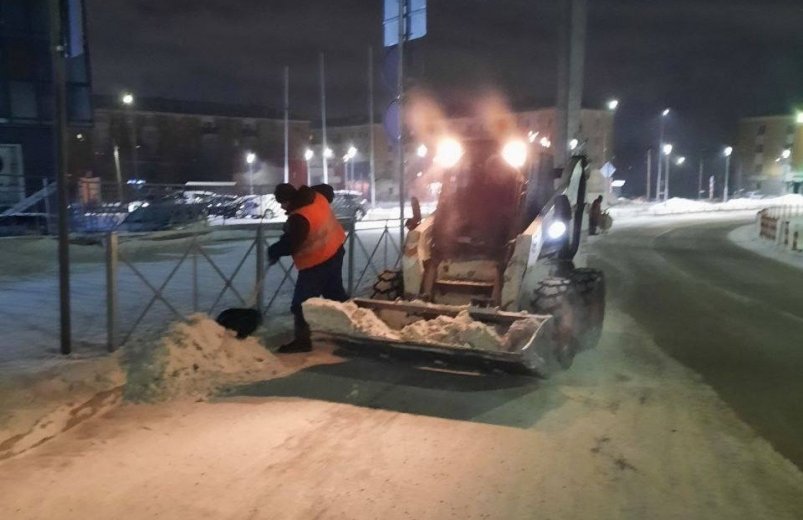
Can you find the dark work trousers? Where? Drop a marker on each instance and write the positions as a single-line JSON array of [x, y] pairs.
[[324, 279]]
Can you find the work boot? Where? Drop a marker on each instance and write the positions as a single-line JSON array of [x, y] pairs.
[[301, 342]]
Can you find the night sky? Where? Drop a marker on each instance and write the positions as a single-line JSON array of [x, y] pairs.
[[711, 61]]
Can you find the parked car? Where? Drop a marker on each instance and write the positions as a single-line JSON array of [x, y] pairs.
[[258, 206], [164, 215], [225, 206], [349, 205]]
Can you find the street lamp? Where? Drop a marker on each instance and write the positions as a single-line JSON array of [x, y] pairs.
[[659, 177], [667, 149], [612, 105], [680, 160], [127, 99], [421, 151], [545, 142], [786, 154], [308, 155], [250, 158], [727, 153], [573, 144]]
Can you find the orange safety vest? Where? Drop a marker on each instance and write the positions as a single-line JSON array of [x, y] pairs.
[[325, 236]]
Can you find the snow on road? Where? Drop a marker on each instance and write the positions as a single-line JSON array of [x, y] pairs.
[[626, 433]]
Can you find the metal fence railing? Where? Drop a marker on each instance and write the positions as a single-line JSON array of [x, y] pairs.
[[150, 283]]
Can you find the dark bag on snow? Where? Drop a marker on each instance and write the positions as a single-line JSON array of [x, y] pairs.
[[242, 321]]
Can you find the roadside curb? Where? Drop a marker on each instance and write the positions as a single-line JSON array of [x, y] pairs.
[[745, 237]]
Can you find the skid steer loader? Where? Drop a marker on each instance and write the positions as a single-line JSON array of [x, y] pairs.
[[493, 249]]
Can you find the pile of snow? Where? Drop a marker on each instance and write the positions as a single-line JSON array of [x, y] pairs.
[[459, 331], [346, 319], [193, 360]]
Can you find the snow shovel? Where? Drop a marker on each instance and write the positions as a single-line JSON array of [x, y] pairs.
[[244, 320]]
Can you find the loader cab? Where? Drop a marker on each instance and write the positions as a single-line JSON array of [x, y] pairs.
[[478, 216]]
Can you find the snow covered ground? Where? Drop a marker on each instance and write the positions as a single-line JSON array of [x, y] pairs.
[[626, 433], [676, 206], [747, 237]]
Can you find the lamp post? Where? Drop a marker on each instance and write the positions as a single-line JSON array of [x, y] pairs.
[[308, 155], [127, 99], [250, 158], [667, 150], [611, 105], [348, 159], [785, 156], [659, 177], [727, 153]]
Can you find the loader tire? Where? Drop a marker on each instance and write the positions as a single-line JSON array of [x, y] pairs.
[[558, 297], [589, 285], [389, 285]]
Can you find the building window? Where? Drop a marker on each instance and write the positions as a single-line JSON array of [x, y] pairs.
[[759, 169], [759, 148], [762, 129]]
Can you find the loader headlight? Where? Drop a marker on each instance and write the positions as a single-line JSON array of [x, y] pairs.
[[515, 153], [448, 152], [556, 229]]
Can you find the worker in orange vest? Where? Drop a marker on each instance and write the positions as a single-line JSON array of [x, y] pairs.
[[314, 238]]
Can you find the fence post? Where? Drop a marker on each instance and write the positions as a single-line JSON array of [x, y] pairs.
[[352, 238], [260, 273], [111, 291], [48, 218], [194, 246]]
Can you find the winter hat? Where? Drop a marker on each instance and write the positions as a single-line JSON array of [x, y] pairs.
[[284, 193]]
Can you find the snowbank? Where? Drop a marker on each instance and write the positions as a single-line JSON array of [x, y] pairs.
[[459, 331], [40, 399], [675, 206], [193, 360]]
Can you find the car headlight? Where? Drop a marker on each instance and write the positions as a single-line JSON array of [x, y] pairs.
[[556, 229], [515, 153], [448, 153]]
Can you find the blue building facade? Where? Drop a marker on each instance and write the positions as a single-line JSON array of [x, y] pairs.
[[27, 140]]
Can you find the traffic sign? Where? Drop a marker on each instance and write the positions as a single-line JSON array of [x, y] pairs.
[[415, 20], [608, 170]]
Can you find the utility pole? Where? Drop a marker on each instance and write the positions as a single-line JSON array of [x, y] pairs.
[[400, 100], [649, 172], [323, 121], [118, 174], [700, 179], [372, 164], [659, 177], [727, 177], [57, 51], [286, 124], [570, 77]]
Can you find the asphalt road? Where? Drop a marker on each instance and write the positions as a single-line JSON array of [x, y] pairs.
[[734, 317]]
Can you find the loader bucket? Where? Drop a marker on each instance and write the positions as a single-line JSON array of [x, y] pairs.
[[531, 354]]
